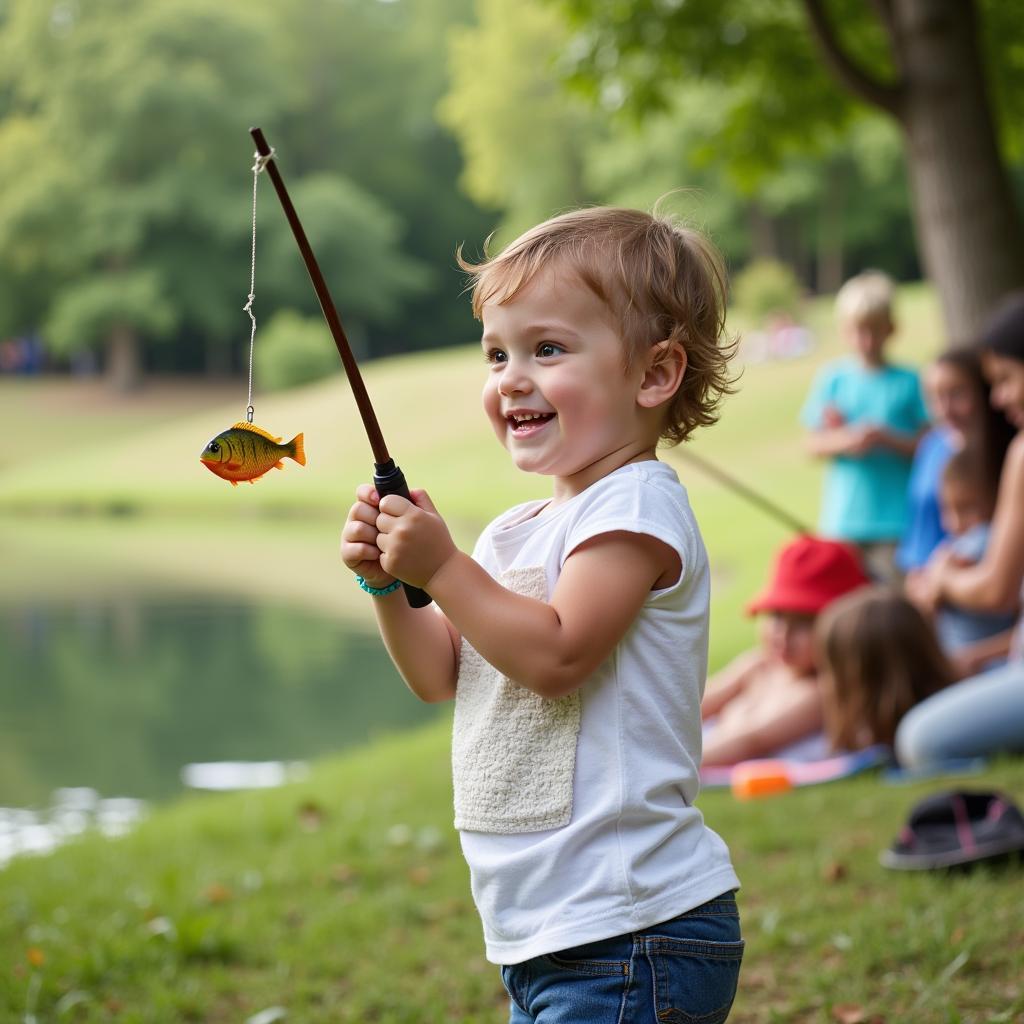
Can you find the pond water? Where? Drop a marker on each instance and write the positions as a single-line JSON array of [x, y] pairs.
[[118, 694]]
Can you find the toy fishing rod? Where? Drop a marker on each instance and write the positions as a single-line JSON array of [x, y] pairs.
[[758, 500], [387, 477]]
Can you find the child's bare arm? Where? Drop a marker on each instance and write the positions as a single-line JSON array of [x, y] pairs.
[[797, 719], [859, 439], [421, 642], [728, 683], [548, 647], [902, 444], [972, 658], [829, 442]]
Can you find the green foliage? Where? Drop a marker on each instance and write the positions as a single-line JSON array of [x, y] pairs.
[[766, 287], [293, 349], [125, 158], [533, 147], [356, 240]]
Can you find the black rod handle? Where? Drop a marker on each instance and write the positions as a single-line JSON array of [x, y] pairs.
[[389, 479]]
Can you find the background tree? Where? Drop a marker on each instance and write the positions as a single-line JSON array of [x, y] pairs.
[[943, 70], [124, 218], [533, 147]]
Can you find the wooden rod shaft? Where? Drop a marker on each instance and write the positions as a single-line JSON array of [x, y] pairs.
[[355, 378]]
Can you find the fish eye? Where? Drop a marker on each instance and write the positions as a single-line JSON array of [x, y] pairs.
[[213, 447]]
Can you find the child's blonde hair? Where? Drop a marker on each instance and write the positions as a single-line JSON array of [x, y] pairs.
[[879, 657], [866, 299], [660, 280]]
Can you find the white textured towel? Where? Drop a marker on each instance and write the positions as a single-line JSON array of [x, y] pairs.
[[513, 751]]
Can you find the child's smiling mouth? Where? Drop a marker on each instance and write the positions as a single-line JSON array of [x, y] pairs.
[[524, 423]]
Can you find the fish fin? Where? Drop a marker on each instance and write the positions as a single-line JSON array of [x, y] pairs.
[[252, 428], [278, 465], [234, 483], [299, 449]]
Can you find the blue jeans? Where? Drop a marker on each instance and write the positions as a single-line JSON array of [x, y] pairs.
[[677, 972], [976, 717]]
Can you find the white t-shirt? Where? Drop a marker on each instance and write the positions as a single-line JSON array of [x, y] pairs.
[[577, 815]]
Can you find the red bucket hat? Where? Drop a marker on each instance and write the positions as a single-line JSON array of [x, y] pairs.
[[810, 573]]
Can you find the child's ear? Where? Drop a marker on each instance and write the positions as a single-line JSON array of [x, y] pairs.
[[666, 365]]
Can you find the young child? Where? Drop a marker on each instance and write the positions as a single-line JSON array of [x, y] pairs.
[[767, 701], [574, 640], [879, 658], [968, 500], [866, 416]]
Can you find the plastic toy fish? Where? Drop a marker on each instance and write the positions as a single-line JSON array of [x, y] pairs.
[[246, 452]]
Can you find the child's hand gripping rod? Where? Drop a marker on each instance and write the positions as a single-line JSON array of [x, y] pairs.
[[387, 477]]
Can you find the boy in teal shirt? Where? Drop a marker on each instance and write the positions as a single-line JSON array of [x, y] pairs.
[[866, 416]]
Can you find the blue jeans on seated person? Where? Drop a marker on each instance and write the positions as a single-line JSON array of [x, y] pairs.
[[681, 971]]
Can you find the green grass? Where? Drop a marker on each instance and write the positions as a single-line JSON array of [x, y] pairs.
[[345, 898]]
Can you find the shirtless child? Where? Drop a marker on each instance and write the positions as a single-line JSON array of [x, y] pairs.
[[767, 701]]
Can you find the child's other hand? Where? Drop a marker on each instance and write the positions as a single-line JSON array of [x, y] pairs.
[[832, 418], [413, 538], [359, 549], [923, 588], [864, 439]]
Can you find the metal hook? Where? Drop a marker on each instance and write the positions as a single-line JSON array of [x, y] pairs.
[[249, 413]]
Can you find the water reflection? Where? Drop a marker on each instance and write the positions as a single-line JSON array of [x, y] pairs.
[[118, 694]]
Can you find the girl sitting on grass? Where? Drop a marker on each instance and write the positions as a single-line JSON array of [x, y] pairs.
[[879, 657]]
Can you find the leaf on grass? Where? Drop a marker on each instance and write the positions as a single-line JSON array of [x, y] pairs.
[[35, 956], [218, 893], [834, 871], [311, 816], [849, 1013], [420, 875], [343, 874]]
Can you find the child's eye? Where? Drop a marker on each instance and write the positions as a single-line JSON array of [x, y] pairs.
[[495, 355], [549, 348]]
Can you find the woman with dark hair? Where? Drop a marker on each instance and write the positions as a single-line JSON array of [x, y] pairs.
[[983, 714], [958, 398]]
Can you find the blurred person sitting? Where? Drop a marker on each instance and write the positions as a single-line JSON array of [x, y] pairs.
[[958, 397], [879, 657], [976, 640], [767, 700]]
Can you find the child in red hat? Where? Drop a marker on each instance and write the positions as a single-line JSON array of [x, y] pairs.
[[767, 701]]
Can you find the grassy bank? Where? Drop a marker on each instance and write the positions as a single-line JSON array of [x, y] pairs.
[[345, 899]]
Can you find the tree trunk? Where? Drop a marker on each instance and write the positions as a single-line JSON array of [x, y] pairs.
[[124, 362], [968, 226], [829, 268], [763, 234]]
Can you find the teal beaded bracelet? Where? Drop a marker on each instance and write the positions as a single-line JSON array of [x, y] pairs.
[[378, 591]]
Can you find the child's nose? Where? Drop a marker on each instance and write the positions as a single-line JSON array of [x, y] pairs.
[[515, 380]]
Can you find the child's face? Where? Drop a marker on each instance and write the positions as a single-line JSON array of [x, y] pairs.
[[953, 400], [1006, 376], [868, 338], [789, 637], [962, 507], [557, 393]]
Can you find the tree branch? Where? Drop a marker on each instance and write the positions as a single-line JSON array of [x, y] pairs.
[[850, 75]]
